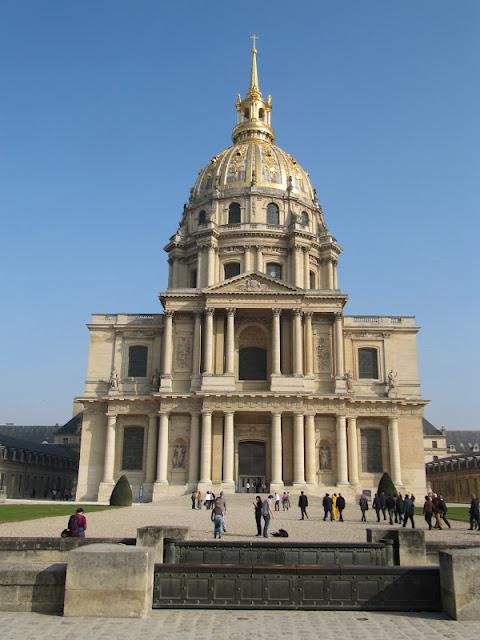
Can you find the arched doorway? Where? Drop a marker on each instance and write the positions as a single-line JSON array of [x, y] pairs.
[[251, 466]]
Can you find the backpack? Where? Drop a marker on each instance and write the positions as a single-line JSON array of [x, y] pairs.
[[72, 524], [281, 533]]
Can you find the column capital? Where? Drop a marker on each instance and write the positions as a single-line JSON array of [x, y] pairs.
[[169, 313], [229, 413], [110, 414], [308, 314], [206, 412], [354, 418], [209, 311], [338, 315], [298, 312], [163, 413], [231, 311], [391, 418], [305, 249], [276, 414], [153, 415], [277, 312], [198, 314]]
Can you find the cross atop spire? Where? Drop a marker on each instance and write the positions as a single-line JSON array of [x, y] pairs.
[[254, 38], [254, 74]]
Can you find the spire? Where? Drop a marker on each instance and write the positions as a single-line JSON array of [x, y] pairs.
[[253, 112], [254, 88]]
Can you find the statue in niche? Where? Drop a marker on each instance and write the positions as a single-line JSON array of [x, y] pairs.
[[349, 380], [325, 458], [178, 460], [114, 379], [156, 380], [392, 379]]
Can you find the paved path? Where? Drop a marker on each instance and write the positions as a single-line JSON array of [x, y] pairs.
[[240, 625], [240, 522]]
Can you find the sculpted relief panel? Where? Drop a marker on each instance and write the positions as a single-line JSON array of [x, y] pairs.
[[323, 349], [183, 352]]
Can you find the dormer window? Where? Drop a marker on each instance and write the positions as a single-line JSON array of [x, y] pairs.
[[274, 270], [231, 269], [273, 214], [234, 213]]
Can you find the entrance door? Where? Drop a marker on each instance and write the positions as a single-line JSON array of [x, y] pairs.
[[251, 472]]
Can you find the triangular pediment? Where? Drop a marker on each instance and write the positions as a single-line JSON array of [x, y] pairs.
[[252, 282]]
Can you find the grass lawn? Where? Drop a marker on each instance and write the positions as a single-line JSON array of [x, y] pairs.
[[453, 513], [17, 512]]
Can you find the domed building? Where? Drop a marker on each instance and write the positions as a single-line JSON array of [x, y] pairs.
[[252, 377]]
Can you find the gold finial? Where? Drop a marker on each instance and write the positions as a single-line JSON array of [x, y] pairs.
[[254, 73]]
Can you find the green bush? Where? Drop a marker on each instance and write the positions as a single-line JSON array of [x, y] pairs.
[[122, 493], [386, 485]]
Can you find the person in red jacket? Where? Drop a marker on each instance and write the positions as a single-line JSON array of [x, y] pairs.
[[77, 524]]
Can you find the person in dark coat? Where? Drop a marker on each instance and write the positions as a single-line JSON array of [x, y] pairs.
[[327, 507], [436, 511], [303, 504], [409, 510], [383, 504], [474, 513], [442, 506], [428, 511], [376, 505], [399, 506], [390, 502], [363, 502], [258, 514], [340, 506]]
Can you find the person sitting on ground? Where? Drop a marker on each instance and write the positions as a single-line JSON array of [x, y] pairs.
[[77, 524]]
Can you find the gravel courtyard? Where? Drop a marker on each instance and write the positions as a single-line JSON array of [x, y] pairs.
[[176, 510]]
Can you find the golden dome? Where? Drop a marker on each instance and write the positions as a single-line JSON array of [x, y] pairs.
[[253, 162]]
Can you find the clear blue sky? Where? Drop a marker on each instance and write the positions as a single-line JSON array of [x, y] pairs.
[[109, 109]]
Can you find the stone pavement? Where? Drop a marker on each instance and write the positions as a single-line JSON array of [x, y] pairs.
[[239, 625], [176, 510]]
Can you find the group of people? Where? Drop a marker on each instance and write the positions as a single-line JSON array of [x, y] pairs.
[[198, 500], [400, 509], [435, 507], [333, 507]]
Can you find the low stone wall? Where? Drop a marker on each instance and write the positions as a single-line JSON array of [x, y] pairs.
[[33, 587], [279, 553], [297, 587], [48, 550]]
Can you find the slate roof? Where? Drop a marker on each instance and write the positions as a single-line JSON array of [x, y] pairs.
[[430, 430], [35, 447], [31, 433], [73, 426], [464, 441]]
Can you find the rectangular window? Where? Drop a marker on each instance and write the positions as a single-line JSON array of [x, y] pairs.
[[434, 444], [132, 457], [137, 361], [371, 443], [368, 363]]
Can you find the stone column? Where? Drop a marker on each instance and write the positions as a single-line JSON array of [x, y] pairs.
[[342, 468], [298, 450], [352, 450], [247, 259], [335, 275], [200, 268], [109, 462], [308, 344], [197, 344], [162, 454], [394, 451], [193, 452], [230, 342], [260, 267], [208, 351], [210, 264], [329, 274], [206, 450], [310, 457], [228, 448], [151, 448], [297, 343], [167, 344], [276, 344], [277, 475], [298, 269], [339, 366], [306, 268]]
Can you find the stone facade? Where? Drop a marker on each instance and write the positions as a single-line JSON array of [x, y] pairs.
[[253, 373], [456, 477], [434, 442]]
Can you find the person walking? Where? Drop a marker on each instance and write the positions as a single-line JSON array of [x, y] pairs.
[[193, 498], [340, 506], [303, 504], [285, 501], [199, 500], [277, 502], [222, 503], [247, 486], [390, 502], [363, 502], [428, 511], [442, 506], [327, 507], [436, 511], [399, 505], [383, 504], [474, 513], [267, 514], [217, 519], [257, 505], [409, 510], [334, 507], [376, 505]]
